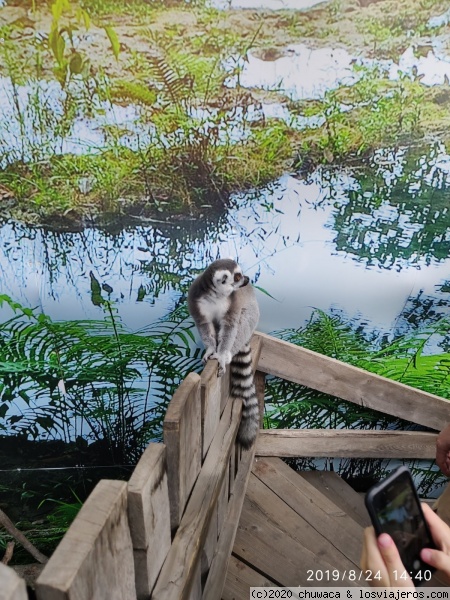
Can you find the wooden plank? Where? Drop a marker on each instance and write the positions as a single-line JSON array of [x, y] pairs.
[[232, 468], [224, 390], [256, 345], [339, 379], [222, 500], [270, 549], [209, 546], [195, 592], [149, 517], [183, 558], [345, 443], [299, 522], [319, 511], [260, 385], [95, 557], [335, 488], [12, 587], [211, 395], [216, 578], [240, 578], [183, 439]]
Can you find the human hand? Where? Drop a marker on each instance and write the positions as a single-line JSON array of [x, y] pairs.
[[440, 532], [443, 451], [380, 556]]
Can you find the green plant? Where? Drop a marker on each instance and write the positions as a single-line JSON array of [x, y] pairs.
[[91, 379], [373, 112]]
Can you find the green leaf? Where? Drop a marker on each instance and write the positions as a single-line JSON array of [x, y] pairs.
[[114, 40], [265, 292], [76, 64]]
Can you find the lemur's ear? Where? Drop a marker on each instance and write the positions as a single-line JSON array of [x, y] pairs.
[[224, 279]]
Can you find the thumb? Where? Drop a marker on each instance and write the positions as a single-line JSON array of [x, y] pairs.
[[391, 557]]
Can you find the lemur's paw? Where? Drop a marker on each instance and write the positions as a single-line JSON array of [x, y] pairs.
[[224, 359], [208, 354]]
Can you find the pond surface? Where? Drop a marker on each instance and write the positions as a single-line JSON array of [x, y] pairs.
[[305, 73], [365, 242]]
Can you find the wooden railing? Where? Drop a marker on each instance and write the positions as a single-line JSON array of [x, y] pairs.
[[168, 533]]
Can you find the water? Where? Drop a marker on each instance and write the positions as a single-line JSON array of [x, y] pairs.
[[36, 124], [305, 73], [439, 20], [371, 243], [364, 244]]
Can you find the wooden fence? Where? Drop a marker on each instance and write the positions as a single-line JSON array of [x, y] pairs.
[[167, 534]]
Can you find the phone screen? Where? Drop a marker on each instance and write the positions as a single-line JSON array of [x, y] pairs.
[[395, 509]]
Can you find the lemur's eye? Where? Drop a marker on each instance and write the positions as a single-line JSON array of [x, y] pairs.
[[237, 276]]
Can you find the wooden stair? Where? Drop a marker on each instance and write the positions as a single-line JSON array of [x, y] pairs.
[[294, 529]]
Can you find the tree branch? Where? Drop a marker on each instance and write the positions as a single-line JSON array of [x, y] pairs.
[[20, 537]]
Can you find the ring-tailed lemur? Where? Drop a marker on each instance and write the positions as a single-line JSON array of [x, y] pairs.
[[224, 308]]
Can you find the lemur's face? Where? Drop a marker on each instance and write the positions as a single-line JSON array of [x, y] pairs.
[[228, 280]]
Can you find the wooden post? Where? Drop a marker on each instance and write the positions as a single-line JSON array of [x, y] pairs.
[[182, 562], [12, 587], [260, 385], [183, 439], [211, 394], [149, 517], [95, 557], [217, 574]]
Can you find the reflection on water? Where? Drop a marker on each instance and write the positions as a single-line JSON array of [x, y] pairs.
[[302, 73], [432, 69], [36, 122], [364, 242], [400, 215], [305, 73]]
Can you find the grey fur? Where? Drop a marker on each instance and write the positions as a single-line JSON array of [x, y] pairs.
[[226, 314]]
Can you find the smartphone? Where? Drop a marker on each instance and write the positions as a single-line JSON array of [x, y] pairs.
[[394, 508]]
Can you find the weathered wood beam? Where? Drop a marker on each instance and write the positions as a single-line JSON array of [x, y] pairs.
[[345, 443], [12, 587], [95, 557], [339, 379], [183, 560], [149, 517], [183, 440], [219, 566]]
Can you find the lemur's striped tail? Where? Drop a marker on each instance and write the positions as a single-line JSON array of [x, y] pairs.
[[243, 386]]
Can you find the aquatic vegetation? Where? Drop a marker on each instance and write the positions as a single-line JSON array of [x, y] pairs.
[[91, 379], [147, 116], [373, 113]]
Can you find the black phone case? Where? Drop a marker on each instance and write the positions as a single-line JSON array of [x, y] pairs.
[[399, 473]]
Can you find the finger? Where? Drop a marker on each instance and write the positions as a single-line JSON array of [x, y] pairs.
[[391, 557], [437, 559], [440, 531], [371, 559], [443, 450], [443, 460]]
